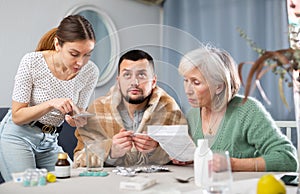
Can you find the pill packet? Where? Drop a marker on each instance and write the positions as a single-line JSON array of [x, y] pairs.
[[95, 173], [151, 169], [119, 170], [140, 169]]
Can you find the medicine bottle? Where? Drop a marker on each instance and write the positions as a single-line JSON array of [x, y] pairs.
[[62, 166], [202, 156]]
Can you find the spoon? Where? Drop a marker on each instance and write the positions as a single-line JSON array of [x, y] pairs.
[[184, 180]]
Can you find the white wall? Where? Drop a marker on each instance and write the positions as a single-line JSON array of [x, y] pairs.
[[24, 22]]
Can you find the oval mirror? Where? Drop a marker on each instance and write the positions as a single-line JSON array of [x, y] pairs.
[[107, 46]]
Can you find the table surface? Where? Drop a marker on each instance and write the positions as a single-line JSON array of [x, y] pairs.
[[244, 183]]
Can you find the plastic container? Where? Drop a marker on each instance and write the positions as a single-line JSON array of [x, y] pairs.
[[34, 177], [62, 166], [202, 156]]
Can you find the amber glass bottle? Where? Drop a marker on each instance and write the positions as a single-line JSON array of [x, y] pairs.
[[62, 166]]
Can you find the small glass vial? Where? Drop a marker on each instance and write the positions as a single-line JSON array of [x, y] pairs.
[[62, 166]]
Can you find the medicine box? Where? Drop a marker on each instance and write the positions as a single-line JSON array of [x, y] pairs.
[[137, 183]]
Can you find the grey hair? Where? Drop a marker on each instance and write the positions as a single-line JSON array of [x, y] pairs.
[[218, 68]]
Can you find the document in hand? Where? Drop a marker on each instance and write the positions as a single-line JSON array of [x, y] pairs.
[[174, 139]]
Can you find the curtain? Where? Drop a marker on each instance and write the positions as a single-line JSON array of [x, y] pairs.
[[189, 24]]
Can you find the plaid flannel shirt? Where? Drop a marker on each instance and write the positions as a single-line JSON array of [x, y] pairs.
[[162, 109]]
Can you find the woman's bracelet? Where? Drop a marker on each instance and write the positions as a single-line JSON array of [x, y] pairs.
[[255, 164]]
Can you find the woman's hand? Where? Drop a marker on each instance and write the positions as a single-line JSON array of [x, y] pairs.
[[22, 113], [219, 163], [64, 105], [76, 122], [180, 163], [67, 107]]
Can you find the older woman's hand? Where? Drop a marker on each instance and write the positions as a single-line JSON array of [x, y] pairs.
[[180, 163], [219, 163]]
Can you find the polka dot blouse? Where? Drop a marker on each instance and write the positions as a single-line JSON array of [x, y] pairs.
[[34, 84]]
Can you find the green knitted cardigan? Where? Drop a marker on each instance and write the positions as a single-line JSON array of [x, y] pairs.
[[247, 131]]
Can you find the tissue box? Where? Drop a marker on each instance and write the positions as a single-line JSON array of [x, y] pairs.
[[137, 183]]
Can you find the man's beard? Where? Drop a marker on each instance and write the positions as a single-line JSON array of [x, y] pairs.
[[138, 100]]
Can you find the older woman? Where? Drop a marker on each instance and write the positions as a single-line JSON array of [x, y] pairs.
[[246, 130]]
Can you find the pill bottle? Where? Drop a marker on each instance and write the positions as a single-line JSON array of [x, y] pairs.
[[62, 166], [202, 156]]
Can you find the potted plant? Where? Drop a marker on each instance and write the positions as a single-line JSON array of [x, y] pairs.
[[284, 62]]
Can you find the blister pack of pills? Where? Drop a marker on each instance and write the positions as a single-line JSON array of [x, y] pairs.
[[140, 169], [94, 173]]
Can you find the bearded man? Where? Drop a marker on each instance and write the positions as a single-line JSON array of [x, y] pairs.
[[123, 114]]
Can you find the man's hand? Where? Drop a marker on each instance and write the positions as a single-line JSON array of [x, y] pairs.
[[121, 143], [144, 143]]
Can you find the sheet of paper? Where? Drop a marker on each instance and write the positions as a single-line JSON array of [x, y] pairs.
[[174, 139]]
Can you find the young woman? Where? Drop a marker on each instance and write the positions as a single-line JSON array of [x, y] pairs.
[[52, 83]]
